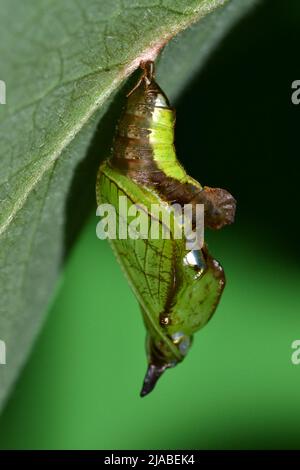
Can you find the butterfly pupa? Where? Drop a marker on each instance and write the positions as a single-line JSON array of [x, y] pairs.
[[178, 289]]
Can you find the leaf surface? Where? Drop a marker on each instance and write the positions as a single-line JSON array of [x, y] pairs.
[[62, 62]]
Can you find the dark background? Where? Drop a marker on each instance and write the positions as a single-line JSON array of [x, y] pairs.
[[243, 129]]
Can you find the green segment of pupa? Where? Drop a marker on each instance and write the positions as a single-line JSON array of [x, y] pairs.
[[177, 289]]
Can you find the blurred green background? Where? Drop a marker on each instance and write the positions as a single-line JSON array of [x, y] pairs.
[[236, 128]]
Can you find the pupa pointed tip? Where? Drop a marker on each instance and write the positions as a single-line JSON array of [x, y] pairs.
[[152, 375], [143, 392]]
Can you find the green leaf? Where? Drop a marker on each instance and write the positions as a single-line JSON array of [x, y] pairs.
[[62, 63]]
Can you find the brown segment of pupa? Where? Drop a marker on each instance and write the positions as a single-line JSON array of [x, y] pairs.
[[133, 155]]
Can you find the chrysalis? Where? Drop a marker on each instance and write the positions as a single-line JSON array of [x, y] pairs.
[[178, 289]]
